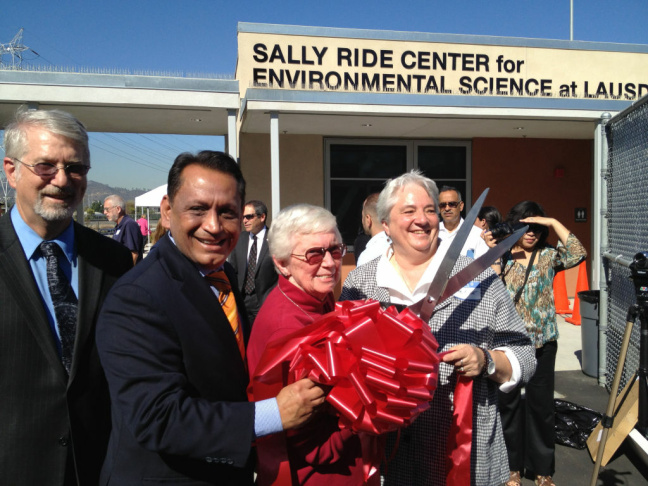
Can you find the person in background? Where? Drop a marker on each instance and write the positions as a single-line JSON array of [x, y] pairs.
[[360, 243], [252, 260], [54, 276], [172, 342], [307, 251], [144, 228], [488, 217], [127, 231], [379, 241], [159, 232], [478, 327], [451, 205], [528, 271]]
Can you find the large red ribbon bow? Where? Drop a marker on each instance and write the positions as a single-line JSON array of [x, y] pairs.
[[382, 366]]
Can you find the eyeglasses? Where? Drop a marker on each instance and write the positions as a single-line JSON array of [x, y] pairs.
[[313, 256], [45, 169], [109, 209], [451, 204], [248, 217]]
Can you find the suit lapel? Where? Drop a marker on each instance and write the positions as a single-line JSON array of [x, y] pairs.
[[90, 284], [241, 256], [262, 253], [16, 272], [198, 294]]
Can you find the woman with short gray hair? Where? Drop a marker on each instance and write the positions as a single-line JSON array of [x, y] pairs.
[[307, 251], [477, 328]]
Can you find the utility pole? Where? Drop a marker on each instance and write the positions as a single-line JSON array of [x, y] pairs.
[[15, 48], [571, 20]]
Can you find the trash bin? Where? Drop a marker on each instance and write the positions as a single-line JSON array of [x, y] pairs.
[[589, 310]]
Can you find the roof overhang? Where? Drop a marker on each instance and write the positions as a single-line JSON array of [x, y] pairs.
[[125, 103], [421, 116]]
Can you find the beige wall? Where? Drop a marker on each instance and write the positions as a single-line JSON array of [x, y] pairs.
[[464, 69], [301, 168]]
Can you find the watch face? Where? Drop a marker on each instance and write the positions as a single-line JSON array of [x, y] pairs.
[[491, 367]]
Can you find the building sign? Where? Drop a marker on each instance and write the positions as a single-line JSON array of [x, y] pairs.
[[361, 65]]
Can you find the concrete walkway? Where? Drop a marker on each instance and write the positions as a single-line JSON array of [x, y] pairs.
[[574, 467]]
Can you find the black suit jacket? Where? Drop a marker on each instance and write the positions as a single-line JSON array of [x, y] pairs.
[[43, 412], [265, 277], [176, 377]]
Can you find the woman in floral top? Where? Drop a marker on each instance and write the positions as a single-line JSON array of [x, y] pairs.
[[529, 431]]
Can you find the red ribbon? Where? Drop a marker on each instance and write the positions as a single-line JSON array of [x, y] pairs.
[[382, 366], [460, 435]]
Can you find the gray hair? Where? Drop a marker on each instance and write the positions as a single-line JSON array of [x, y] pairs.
[[293, 221], [117, 201], [54, 121], [389, 194], [451, 188]]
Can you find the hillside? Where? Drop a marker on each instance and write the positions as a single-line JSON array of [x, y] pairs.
[[98, 192]]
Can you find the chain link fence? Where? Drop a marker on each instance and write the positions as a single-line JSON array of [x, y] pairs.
[[627, 218]]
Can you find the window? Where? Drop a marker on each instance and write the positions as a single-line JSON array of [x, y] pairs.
[[356, 168]]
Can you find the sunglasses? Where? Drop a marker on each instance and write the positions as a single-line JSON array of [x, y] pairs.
[[45, 169], [536, 228], [313, 256], [248, 217], [451, 204]]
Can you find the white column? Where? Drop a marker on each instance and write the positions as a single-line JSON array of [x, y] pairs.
[[274, 163], [600, 238], [232, 146]]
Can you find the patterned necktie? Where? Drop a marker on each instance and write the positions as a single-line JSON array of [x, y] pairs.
[[64, 300], [227, 301], [251, 267]]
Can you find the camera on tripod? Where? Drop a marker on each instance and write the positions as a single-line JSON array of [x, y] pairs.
[[639, 276]]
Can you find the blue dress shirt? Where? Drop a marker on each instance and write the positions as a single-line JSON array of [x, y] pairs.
[[30, 242]]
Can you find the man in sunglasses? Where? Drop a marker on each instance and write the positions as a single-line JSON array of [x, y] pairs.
[[450, 207], [54, 276], [252, 260]]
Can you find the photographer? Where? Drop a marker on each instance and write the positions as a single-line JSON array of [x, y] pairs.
[[527, 271]]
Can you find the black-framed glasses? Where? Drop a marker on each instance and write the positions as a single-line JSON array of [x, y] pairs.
[[450, 204], [45, 169], [313, 256], [248, 217]]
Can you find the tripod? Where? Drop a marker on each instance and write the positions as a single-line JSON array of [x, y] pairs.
[[639, 269]]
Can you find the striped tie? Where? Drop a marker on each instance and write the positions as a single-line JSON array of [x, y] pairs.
[[220, 282]]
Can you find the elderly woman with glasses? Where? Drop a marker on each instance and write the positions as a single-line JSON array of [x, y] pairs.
[[307, 251], [483, 337], [528, 271]]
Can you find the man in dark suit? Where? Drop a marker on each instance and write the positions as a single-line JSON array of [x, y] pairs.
[[171, 341], [251, 259], [54, 276]]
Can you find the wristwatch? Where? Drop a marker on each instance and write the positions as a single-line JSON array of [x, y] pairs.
[[489, 363]]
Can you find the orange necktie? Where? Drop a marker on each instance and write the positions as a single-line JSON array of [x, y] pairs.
[[227, 301]]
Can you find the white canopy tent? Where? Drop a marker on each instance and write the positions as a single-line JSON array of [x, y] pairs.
[[151, 199]]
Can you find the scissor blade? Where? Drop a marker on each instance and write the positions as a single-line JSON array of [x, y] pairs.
[[467, 274], [440, 281]]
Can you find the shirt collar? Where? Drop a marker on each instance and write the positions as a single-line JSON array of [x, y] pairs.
[[442, 228], [30, 240], [388, 277], [260, 234]]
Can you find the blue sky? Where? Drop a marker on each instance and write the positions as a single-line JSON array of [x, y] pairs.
[[199, 36]]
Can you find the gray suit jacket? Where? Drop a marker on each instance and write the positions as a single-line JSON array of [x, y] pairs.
[[43, 413], [265, 277]]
